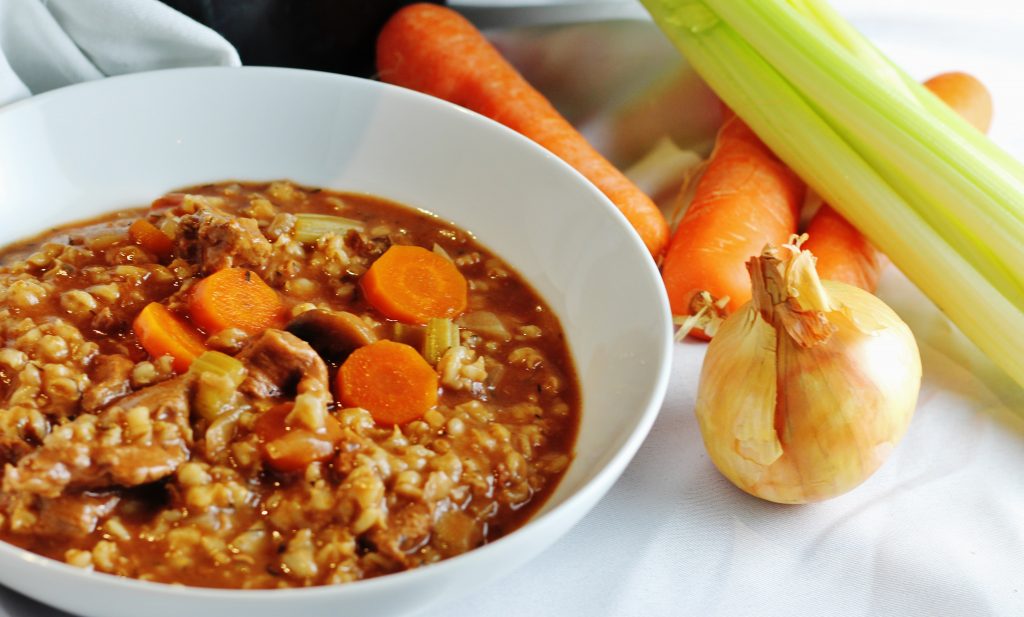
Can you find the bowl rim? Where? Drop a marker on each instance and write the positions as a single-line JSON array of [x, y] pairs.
[[590, 492]]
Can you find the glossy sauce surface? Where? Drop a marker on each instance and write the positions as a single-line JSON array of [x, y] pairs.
[[111, 465]]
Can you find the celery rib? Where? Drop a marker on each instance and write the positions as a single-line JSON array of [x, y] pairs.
[[944, 203], [442, 334], [933, 168], [311, 227]]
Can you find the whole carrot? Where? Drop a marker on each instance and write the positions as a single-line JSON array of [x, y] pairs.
[[843, 253], [435, 50], [965, 95], [746, 198]]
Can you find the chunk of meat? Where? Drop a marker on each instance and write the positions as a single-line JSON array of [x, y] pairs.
[[118, 447], [111, 380], [167, 401], [280, 364], [72, 515], [455, 532], [407, 530], [22, 429], [13, 448], [215, 241], [333, 334], [363, 245]]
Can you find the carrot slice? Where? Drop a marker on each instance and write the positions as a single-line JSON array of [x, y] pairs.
[[151, 239], [390, 380], [234, 298], [412, 285], [161, 332], [288, 448], [170, 200], [434, 50]]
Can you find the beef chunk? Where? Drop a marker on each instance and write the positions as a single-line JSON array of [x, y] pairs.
[[282, 364], [73, 515], [118, 447], [110, 381], [406, 531], [168, 400], [363, 245], [216, 241], [13, 448]]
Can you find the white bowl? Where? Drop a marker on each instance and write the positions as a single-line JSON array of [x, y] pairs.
[[120, 142]]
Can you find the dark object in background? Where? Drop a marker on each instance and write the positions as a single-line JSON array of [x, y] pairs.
[[326, 35]]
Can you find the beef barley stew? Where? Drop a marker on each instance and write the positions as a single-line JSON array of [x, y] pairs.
[[266, 385]]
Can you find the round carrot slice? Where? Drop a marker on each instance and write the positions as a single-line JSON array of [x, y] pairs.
[[390, 380], [412, 285], [234, 298]]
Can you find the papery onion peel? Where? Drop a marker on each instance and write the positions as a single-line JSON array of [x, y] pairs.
[[806, 389]]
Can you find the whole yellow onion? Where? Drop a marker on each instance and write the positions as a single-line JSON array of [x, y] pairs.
[[807, 388]]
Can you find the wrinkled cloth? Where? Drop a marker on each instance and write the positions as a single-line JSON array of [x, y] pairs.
[[47, 44]]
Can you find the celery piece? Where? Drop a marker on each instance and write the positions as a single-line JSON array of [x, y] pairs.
[[442, 334], [311, 227], [218, 376], [220, 364], [401, 331], [939, 198]]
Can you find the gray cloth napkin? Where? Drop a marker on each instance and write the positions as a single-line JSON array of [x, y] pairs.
[[47, 44]]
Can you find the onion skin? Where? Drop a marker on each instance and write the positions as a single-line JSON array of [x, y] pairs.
[[793, 423]]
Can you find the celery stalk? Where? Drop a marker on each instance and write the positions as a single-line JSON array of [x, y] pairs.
[[442, 334], [219, 364], [218, 376], [311, 227], [938, 197], [926, 159]]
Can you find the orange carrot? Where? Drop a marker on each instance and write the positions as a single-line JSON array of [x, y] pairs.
[[170, 200], [435, 50], [843, 253], [234, 298], [412, 285], [290, 448], [161, 332], [390, 380], [965, 95], [745, 199], [151, 239]]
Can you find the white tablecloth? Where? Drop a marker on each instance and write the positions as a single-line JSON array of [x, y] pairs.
[[939, 530]]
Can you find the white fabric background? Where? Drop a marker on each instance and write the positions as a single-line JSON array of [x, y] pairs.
[[939, 530]]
